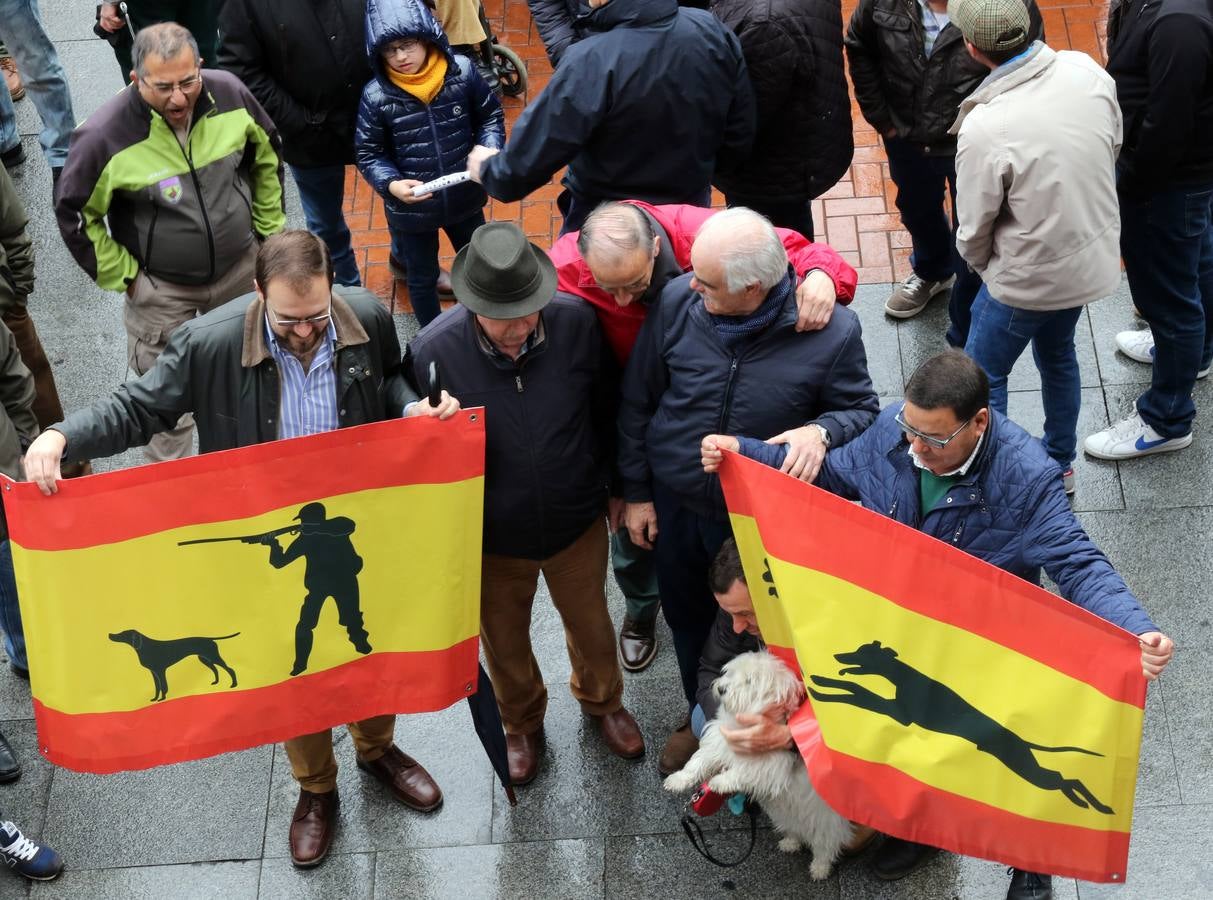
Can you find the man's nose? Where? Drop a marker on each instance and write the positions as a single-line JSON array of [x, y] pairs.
[[739, 625]]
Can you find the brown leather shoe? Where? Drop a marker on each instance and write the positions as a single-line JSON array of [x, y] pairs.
[[523, 751], [408, 781], [621, 734], [679, 748], [312, 828], [637, 643], [446, 290]]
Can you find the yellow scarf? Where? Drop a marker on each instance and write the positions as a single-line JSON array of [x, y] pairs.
[[426, 84]]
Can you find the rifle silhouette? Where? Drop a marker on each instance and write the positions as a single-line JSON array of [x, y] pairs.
[[263, 538]]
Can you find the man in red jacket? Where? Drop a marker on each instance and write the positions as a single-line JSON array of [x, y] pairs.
[[619, 262]]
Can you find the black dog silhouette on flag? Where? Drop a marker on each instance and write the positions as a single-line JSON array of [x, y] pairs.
[[923, 701], [157, 656]]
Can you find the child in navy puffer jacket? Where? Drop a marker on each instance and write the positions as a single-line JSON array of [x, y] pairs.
[[420, 116]]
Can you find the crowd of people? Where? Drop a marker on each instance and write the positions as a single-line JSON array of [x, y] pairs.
[[655, 333]]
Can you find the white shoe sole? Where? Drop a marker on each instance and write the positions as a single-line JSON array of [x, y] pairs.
[[1174, 444]]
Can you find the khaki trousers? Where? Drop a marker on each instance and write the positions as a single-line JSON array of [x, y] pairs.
[[576, 578], [313, 763], [154, 309]]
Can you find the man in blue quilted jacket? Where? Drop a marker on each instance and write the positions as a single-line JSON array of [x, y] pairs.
[[944, 463]]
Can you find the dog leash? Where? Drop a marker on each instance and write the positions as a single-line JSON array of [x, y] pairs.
[[696, 836]]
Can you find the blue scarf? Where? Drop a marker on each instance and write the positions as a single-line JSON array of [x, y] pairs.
[[735, 329]]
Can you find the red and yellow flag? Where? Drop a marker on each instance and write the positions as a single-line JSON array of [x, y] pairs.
[[233, 599], [950, 703]]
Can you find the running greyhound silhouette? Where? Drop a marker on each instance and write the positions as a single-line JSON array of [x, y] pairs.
[[923, 701]]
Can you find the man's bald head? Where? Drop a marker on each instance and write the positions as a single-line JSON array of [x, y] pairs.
[[618, 244], [746, 246]]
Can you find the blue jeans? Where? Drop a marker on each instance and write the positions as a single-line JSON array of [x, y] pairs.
[[1167, 245], [998, 336], [322, 195], [920, 181], [21, 29], [10, 611], [419, 252]]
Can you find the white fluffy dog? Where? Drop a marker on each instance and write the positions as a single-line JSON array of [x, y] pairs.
[[751, 683]]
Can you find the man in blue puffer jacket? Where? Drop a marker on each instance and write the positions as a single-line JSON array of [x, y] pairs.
[[420, 116], [944, 463]]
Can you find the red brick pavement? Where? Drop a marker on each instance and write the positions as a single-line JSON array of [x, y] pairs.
[[857, 216]]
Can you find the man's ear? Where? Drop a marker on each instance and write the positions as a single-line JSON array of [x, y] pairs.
[[656, 245], [260, 293], [134, 77]]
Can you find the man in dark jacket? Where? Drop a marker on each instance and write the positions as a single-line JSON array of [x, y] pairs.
[[718, 351], [242, 369], [540, 367], [558, 26], [911, 70], [803, 142], [1160, 55], [943, 463], [648, 106], [306, 64]]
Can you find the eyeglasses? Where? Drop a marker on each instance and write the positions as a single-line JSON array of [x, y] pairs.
[[405, 46], [311, 321], [929, 440], [185, 85]]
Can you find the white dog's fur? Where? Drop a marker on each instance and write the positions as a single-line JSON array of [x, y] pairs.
[[750, 683]]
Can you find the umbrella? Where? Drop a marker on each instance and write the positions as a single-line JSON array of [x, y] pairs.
[[487, 719]]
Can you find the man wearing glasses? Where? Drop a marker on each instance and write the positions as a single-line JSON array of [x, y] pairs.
[[944, 463], [167, 190], [295, 357]]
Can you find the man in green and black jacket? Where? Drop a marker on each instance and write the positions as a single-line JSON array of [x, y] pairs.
[[167, 191]]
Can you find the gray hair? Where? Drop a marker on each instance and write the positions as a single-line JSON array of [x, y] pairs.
[[754, 253], [164, 39], [616, 228]]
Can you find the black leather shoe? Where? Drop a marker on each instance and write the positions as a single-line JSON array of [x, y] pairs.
[[897, 858], [637, 643], [1029, 886], [10, 769]]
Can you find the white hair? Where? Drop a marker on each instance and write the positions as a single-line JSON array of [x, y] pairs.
[[752, 252]]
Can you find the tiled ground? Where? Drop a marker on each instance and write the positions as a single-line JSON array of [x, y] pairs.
[[593, 826], [858, 216]]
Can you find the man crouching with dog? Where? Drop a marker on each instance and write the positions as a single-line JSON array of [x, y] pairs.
[[279, 362], [943, 462]]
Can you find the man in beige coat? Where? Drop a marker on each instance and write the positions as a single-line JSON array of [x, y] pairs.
[[1036, 200]]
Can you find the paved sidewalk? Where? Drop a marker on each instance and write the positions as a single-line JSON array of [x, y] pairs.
[[593, 826]]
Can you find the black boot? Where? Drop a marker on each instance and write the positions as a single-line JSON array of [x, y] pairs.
[[10, 769], [896, 858], [1029, 886]]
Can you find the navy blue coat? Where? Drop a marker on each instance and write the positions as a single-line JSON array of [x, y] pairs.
[[647, 106], [682, 383], [1009, 509], [398, 136]]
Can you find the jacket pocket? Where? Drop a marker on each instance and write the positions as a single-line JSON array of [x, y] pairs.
[[891, 21]]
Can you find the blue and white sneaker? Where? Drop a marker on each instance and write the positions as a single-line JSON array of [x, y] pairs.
[[22, 855], [1130, 438], [1139, 346]]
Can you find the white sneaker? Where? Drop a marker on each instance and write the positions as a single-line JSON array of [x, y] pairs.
[[1139, 346], [912, 296], [1130, 438]]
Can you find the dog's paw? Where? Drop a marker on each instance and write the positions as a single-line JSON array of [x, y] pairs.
[[789, 845], [722, 784], [678, 782], [819, 870]]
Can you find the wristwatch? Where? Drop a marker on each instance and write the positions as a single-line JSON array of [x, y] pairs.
[[825, 433]]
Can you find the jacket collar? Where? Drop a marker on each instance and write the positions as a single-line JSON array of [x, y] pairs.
[[255, 351], [1036, 60]]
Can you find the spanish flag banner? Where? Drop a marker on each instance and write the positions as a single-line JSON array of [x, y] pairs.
[[215, 603], [950, 703]]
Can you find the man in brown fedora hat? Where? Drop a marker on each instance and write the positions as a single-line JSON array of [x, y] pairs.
[[538, 363]]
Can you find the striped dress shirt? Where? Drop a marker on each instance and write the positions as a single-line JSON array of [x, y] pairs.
[[308, 404]]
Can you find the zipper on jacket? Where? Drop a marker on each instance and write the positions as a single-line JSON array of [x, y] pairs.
[[518, 382], [728, 396], [206, 220], [151, 233], [442, 195]]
